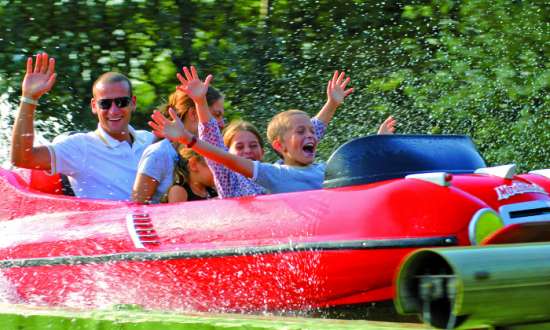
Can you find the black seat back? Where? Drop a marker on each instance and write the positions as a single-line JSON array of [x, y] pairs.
[[384, 157]]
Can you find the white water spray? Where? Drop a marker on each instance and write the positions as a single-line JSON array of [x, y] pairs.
[[7, 113]]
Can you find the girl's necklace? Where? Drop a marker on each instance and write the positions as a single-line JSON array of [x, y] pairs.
[[200, 194]]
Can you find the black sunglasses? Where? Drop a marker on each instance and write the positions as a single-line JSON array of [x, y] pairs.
[[120, 102]]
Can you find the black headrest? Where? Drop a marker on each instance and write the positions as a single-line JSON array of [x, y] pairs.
[[384, 157]]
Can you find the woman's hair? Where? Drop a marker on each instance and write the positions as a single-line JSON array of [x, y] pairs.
[[239, 126], [181, 103], [181, 170]]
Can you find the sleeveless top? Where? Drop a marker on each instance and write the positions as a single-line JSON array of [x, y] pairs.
[[191, 196]]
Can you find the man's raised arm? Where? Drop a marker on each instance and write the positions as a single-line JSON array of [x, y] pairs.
[[35, 83]]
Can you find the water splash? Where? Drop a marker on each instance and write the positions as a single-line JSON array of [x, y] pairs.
[[8, 293], [7, 115]]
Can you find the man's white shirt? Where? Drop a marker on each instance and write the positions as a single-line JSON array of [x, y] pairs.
[[98, 166]]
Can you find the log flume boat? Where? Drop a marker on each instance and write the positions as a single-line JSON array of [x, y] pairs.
[[383, 197]]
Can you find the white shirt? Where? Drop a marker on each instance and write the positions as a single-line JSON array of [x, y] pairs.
[[158, 162], [98, 166]]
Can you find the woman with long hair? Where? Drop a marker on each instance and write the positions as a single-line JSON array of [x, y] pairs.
[[156, 166]]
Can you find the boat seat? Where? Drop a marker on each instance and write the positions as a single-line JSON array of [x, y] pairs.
[[57, 184], [49, 184], [378, 158], [66, 186]]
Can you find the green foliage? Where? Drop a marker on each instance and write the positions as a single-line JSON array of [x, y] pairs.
[[486, 75], [132, 317], [475, 67]]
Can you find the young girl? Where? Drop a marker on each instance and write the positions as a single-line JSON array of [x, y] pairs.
[[243, 139], [192, 179]]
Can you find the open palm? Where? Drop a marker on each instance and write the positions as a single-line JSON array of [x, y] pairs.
[[193, 86], [166, 128], [336, 88], [40, 80]]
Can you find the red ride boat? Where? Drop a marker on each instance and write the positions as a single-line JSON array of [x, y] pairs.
[[383, 197]]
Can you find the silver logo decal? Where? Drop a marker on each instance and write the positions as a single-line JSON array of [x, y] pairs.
[[504, 192]]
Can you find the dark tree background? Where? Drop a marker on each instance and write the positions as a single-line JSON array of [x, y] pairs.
[[475, 67]]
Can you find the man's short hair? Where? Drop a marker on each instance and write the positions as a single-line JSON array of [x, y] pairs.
[[113, 77], [279, 124]]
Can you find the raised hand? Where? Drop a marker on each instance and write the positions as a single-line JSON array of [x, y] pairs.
[[336, 88], [168, 129], [40, 80], [387, 126], [192, 85]]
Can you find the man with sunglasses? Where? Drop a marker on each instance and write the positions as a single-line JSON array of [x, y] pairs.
[[101, 164]]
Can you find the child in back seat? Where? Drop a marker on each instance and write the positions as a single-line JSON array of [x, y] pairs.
[[192, 179]]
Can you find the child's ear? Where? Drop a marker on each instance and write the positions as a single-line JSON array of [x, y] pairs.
[[277, 145], [193, 165], [262, 156], [193, 116]]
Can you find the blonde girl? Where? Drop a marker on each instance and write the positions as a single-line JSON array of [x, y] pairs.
[[243, 139]]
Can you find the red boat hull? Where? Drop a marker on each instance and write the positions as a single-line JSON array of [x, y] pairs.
[[276, 252], [282, 281]]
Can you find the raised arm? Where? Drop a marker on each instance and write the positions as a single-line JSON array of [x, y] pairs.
[[336, 93], [196, 91], [174, 130], [35, 83]]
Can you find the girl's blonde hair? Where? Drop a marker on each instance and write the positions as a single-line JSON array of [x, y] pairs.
[[181, 169], [238, 126]]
